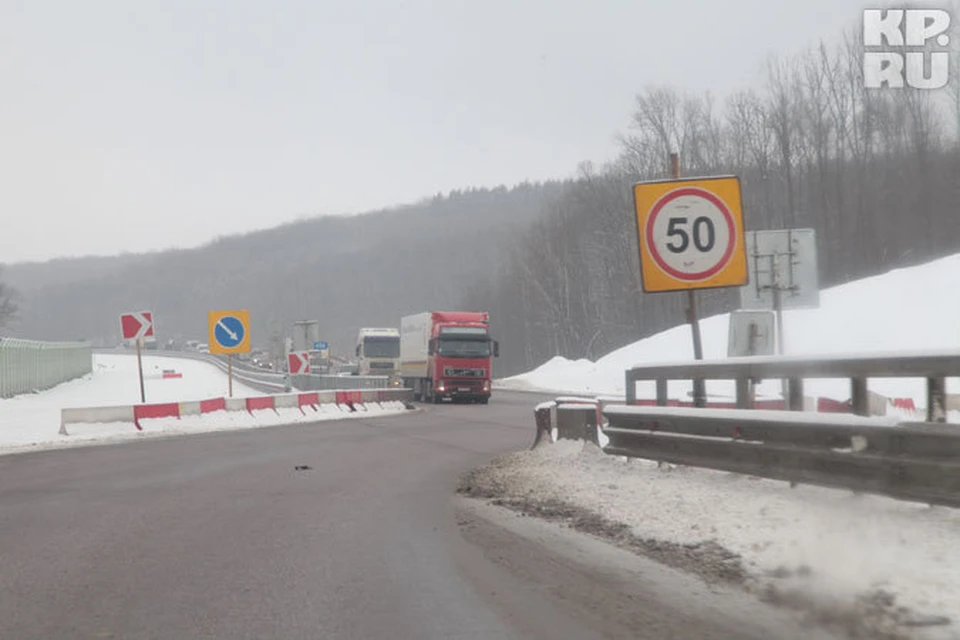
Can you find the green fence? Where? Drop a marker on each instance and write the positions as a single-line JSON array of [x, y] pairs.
[[27, 366]]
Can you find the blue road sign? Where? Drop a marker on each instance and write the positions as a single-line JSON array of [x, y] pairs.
[[320, 346], [229, 332]]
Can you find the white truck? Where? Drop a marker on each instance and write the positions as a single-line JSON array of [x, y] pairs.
[[378, 352]]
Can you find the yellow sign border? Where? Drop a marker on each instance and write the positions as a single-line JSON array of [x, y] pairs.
[[726, 189], [213, 317]]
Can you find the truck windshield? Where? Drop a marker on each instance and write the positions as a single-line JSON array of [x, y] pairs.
[[452, 348], [385, 347]]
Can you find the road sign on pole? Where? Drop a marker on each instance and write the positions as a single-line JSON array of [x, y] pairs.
[[137, 325], [229, 332], [690, 233], [320, 345], [298, 362]]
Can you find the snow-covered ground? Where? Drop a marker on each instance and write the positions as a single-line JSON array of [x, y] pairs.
[[903, 310], [33, 421], [831, 548]]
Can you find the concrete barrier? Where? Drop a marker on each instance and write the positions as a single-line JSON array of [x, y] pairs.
[[354, 399], [191, 408], [214, 404], [260, 403], [148, 411], [287, 401], [94, 415]]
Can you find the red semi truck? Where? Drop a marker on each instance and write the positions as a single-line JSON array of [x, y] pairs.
[[447, 354]]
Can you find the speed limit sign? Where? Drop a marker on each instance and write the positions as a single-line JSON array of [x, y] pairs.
[[690, 234]]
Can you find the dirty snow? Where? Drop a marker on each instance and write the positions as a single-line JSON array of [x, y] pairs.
[[33, 421], [831, 546], [886, 313]]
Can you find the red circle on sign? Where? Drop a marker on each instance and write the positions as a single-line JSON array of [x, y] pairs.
[[715, 201]]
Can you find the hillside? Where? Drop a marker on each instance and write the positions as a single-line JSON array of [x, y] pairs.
[[890, 312], [345, 272]]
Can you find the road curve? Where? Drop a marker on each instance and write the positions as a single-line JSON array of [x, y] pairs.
[[218, 536]]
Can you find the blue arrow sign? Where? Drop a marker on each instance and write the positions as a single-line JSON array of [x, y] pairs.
[[229, 332], [320, 346]]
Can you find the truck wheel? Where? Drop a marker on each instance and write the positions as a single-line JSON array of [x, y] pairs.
[[484, 400]]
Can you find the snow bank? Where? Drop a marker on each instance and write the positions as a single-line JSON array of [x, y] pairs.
[[890, 312], [831, 546]]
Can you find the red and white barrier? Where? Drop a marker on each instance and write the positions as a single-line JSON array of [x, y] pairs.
[[348, 401]]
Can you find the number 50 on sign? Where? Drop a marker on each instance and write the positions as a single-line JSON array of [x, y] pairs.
[[690, 234]]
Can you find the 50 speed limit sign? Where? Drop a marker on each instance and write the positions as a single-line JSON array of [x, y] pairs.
[[690, 234]]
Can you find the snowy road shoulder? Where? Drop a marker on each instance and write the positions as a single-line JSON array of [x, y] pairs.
[[107, 433], [33, 422], [877, 566]]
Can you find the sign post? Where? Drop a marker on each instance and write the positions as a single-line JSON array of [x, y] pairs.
[[229, 334], [137, 326], [699, 389], [690, 236], [783, 263], [143, 393]]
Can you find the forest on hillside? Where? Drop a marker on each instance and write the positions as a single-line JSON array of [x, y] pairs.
[[346, 272]]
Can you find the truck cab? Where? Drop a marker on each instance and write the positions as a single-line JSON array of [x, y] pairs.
[[448, 355], [378, 352]]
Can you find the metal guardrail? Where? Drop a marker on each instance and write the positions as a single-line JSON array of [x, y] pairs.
[[317, 382], [913, 461], [917, 461], [27, 366], [270, 382], [934, 367], [264, 381]]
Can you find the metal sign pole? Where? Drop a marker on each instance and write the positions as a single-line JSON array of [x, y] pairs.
[[230, 373], [699, 391], [778, 308], [143, 395]]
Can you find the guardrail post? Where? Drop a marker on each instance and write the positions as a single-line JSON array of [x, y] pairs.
[[661, 392], [795, 394], [631, 388], [542, 415], [936, 399], [858, 396], [744, 397]]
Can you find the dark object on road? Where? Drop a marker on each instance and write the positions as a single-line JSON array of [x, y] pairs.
[[301, 467]]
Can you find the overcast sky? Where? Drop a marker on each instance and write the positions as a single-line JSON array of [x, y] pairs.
[[129, 126]]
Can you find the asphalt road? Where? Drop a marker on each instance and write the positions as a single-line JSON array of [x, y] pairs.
[[217, 536]]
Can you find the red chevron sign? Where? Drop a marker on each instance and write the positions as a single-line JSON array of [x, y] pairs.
[[137, 325], [299, 362]]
